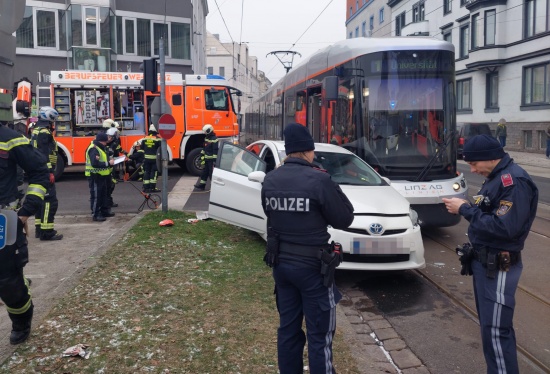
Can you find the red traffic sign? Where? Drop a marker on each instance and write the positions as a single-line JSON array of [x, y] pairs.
[[167, 126]]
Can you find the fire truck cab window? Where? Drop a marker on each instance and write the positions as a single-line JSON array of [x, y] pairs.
[[216, 99]]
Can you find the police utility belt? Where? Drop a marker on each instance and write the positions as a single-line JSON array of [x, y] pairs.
[[330, 255], [484, 257]]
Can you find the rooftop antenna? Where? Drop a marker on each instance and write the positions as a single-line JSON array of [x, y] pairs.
[[284, 58]]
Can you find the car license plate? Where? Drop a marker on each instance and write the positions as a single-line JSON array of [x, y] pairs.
[[378, 246]]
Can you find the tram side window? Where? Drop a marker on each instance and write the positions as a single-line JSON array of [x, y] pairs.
[[216, 99]]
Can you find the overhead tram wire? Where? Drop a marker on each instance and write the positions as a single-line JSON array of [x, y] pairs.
[[297, 40], [223, 19], [242, 17]]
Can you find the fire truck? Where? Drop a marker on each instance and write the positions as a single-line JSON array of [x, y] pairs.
[[84, 99]]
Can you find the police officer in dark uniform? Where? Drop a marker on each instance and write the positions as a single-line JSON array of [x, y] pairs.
[[300, 201], [500, 219], [209, 154], [43, 140], [15, 150], [150, 145]]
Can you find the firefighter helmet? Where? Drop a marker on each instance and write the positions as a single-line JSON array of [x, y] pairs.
[[112, 131], [152, 128], [108, 122], [207, 129], [115, 125], [48, 113]]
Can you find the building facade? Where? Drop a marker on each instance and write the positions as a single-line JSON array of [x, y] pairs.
[[109, 35], [502, 50], [233, 62]]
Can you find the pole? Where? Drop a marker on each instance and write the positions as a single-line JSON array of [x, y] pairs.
[[163, 145]]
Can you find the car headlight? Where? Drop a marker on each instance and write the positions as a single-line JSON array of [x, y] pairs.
[[413, 215]]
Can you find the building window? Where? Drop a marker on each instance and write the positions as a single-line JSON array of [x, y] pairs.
[[42, 28], [536, 17], [448, 35], [210, 70], [144, 37], [160, 30], [364, 28], [371, 23], [180, 40], [350, 35], [464, 94], [527, 139], [357, 32], [91, 27], [350, 11], [381, 15], [356, 5], [418, 11], [475, 31], [222, 71], [490, 27], [25, 32], [129, 35], [447, 6], [492, 91], [464, 40], [536, 84], [399, 23]]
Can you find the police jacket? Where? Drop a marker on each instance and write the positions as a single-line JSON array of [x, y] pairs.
[[503, 210], [43, 140], [15, 149], [210, 147], [150, 145], [300, 200], [99, 160]]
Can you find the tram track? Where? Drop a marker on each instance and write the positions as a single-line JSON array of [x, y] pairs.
[[472, 312]]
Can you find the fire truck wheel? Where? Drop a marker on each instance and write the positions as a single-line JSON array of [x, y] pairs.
[[59, 167], [193, 162]]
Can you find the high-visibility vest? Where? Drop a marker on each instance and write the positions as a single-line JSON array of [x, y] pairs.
[[102, 158], [87, 170]]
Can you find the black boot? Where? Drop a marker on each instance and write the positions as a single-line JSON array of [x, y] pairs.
[[99, 218], [200, 186], [37, 231], [50, 235], [21, 326]]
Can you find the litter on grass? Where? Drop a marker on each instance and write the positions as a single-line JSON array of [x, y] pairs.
[[201, 216], [79, 350]]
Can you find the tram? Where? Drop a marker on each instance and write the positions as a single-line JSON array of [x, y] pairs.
[[389, 100]]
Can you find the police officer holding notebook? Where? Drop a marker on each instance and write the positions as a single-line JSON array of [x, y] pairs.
[[500, 219], [300, 201]]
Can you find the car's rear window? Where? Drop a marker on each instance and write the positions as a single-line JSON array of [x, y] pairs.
[[479, 130]]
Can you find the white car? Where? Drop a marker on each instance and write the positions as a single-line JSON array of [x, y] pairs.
[[384, 235]]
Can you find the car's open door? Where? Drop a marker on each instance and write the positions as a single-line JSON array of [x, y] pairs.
[[233, 198]]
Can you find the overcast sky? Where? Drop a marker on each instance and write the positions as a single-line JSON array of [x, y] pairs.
[[272, 25]]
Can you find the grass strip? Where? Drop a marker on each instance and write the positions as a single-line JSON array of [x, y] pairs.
[[191, 298]]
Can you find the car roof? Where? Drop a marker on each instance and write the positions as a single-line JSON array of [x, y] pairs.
[[319, 147]]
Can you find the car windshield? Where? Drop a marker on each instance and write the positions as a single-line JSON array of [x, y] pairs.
[[347, 169]]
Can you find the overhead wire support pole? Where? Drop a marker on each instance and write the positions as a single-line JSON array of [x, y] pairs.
[[163, 144]]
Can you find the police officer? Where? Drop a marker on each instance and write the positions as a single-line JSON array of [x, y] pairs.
[[209, 154], [43, 140], [300, 201], [100, 173], [15, 150], [500, 219], [150, 145]]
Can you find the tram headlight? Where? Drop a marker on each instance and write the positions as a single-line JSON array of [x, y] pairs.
[[456, 186], [413, 215]]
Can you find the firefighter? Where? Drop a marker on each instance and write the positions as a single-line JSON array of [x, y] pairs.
[[209, 155], [15, 150], [135, 162], [43, 140], [100, 173], [113, 150], [150, 145]]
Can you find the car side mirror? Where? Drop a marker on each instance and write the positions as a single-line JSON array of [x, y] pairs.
[[256, 176]]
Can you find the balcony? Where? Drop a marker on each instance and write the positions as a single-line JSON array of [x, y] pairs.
[[420, 28], [473, 5]]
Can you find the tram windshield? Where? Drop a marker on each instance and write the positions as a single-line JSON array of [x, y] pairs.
[[395, 112]]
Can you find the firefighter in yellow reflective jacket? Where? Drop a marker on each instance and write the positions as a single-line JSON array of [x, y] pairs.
[[209, 155], [15, 150], [43, 140], [150, 145]]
